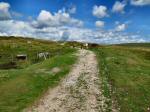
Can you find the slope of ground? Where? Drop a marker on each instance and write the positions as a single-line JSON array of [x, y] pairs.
[[125, 73], [10, 47], [80, 91], [144, 45], [19, 88], [121, 83]]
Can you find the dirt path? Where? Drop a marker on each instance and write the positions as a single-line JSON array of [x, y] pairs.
[[78, 92]]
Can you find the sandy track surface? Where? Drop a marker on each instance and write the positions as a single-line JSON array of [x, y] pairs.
[[78, 92]]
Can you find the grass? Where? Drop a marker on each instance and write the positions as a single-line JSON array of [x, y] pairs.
[[20, 88], [23, 87], [125, 73], [10, 47]]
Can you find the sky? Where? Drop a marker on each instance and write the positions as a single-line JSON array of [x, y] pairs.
[[96, 21]]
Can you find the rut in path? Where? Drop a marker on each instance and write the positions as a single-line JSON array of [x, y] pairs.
[[78, 92]]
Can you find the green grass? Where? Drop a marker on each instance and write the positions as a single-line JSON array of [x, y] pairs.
[[127, 70], [124, 70], [20, 88], [10, 47]]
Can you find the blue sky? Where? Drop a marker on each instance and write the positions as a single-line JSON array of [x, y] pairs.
[[127, 19]]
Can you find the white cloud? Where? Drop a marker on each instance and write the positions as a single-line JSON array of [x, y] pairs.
[[65, 35], [60, 26], [121, 27], [100, 11], [4, 11], [61, 18], [45, 16], [16, 28], [4, 6], [20, 28], [117, 22], [72, 10], [16, 14], [99, 24], [118, 7], [3, 34], [140, 2]]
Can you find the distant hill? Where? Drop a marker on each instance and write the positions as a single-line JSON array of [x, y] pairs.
[[135, 44]]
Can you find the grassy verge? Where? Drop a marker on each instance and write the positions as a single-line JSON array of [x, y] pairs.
[[19, 88], [126, 71]]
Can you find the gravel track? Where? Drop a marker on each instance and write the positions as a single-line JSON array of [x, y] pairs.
[[80, 91]]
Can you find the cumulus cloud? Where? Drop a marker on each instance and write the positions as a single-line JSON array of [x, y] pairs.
[[61, 18], [16, 14], [16, 28], [4, 11], [140, 2], [72, 9], [100, 11], [60, 26], [118, 7], [99, 24], [121, 27], [65, 35], [20, 28]]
